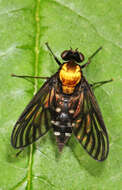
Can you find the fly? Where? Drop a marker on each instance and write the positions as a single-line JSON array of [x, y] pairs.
[[66, 104]]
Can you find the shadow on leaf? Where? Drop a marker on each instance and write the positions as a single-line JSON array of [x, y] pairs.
[[94, 167]]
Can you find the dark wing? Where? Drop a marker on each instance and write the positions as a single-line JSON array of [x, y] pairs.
[[89, 125], [34, 122]]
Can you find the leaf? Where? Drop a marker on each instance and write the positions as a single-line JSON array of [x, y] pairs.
[[25, 26]]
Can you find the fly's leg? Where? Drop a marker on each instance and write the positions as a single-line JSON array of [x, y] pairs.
[[56, 59], [18, 153], [28, 78], [90, 58], [98, 84]]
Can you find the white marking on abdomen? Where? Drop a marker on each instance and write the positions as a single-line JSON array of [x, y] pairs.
[[73, 124], [55, 123], [68, 134], [71, 111], [58, 109], [57, 133]]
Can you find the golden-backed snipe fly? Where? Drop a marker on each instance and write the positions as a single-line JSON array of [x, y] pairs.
[[65, 103]]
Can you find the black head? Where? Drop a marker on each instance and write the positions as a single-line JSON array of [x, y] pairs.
[[68, 55]]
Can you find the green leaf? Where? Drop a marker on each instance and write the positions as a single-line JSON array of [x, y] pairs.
[[25, 26]]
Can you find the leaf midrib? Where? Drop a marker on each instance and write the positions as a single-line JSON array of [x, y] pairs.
[[36, 52]]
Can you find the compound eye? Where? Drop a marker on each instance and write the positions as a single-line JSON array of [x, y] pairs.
[[79, 57], [72, 55], [65, 55]]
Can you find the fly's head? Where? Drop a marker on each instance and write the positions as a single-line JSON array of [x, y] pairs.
[[72, 55]]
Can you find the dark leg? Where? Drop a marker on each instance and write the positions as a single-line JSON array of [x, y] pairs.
[[18, 153], [56, 59], [90, 58], [26, 76], [98, 84]]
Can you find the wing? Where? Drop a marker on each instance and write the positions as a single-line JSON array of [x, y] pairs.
[[34, 122], [89, 125]]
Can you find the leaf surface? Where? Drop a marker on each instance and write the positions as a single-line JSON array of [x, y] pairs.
[[25, 26]]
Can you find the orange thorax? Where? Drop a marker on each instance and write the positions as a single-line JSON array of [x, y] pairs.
[[70, 76]]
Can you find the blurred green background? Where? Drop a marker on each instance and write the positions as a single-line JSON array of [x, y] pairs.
[[25, 26]]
